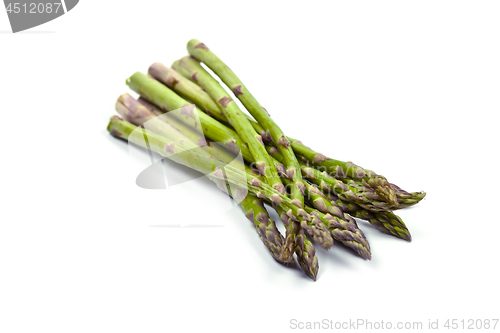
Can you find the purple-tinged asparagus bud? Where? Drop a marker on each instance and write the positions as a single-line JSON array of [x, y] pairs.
[[170, 148], [274, 150], [269, 137], [218, 174], [262, 217], [308, 173], [302, 213], [281, 170], [237, 90], [224, 101], [341, 186], [301, 187], [339, 172], [320, 205], [261, 166], [163, 74], [308, 260], [280, 188], [276, 198], [336, 211], [133, 111], [259, 138], [256, 182], [318, 158], [283, 141], [324, 186]]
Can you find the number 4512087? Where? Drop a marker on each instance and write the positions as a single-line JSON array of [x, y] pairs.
[[33, 8], [471, 324]]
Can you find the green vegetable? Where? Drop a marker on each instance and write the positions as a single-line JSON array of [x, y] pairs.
[[386, 221], [204, 163], [237, 120], [350, 170], [201, 52]]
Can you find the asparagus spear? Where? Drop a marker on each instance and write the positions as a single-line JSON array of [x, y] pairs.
[[201, 52], [138, 114], [185, 89], [218, 131], [238, 176], [297, 242], [266, 228], [167, 147], [255, 211], [167, 100], [386, 221], [347, 170], [164, 98], [238, 121], [214, 149], [202, 162], [407, 199], [355, 240], [315, 227], [349, 167], [343, 228], [215, 130], [347, 192], [198, 94]]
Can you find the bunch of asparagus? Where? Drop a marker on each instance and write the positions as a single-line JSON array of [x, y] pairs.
[[184, 114]]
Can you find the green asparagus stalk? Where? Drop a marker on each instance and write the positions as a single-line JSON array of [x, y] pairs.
[[210, 166], [166, 147], [214, 149], [184, 88], [201, 52], [297, 242], [266, 228], [347, 192], [314, 227], [350, 170], [235, 175], [167, 100], [194, 93], [407, 199], [386, 221], [188, 131], [358, 172], [217, 131], [198, 94], [140, 113], [343, 228], [353, 239], [238, 121]]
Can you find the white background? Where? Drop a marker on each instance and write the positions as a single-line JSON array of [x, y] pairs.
[[408, 89]]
